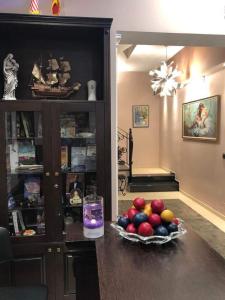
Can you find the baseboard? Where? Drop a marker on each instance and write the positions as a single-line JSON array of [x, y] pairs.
[[206, 206]]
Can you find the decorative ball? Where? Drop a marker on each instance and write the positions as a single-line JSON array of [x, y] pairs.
[[123, 222], [157, 206], [131, 213], [139, 203], [175, 220], [131, 228], [167, 215], [140, 218], [154, 220], [145, 229], [125, 214], [172, 227], [161, 231], [147, 209]]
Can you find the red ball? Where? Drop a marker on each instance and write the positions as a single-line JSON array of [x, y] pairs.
[[154, 220], [175, 221], [139, 203], [131, 213], [131, 228], [145, 229], [157, 206], [125, 214]]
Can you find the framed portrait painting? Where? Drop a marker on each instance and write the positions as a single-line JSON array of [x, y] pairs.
[[201, 118], [140, 116]]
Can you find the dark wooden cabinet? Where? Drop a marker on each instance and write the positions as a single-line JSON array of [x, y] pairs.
[[47, 143]]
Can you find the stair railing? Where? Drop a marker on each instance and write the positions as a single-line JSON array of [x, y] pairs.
[[125, 149]]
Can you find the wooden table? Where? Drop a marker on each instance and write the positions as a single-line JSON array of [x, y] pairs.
[[185, 269]]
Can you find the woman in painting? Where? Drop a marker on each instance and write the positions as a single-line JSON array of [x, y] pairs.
[[202, 125]]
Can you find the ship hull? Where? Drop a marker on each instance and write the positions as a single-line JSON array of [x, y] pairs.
[[43, 92]]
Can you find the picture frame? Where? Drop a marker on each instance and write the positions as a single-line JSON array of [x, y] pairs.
[[200, 119], [140, 116]]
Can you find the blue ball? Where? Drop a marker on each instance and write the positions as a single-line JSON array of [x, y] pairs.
[[139, 218], [172, 227], [123, 222], [161, 231]]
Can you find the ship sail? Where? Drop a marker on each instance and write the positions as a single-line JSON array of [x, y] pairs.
[[52, 78], [36, 72], [65, 66], [63, 78], [53, 64]]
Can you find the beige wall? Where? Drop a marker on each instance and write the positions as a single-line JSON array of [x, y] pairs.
[[198, 165], [134, 89]]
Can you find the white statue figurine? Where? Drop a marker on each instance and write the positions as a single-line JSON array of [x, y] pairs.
[[91, 90], [10, 69]]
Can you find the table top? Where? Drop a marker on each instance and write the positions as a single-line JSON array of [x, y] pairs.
[[186, 268]]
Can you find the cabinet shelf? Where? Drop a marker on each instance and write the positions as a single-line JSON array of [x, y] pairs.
[[25, 172], [26, 208]]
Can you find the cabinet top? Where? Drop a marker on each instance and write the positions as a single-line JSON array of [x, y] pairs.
[[6, 18]]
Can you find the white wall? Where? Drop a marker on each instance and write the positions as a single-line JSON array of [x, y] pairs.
[[131, 15]]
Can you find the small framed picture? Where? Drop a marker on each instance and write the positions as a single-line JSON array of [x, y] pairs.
[[140, 116]]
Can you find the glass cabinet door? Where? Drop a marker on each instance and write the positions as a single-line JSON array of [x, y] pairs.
[[24, 173], [78, 161]]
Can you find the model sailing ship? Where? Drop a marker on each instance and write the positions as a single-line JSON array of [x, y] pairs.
[[54, 83]]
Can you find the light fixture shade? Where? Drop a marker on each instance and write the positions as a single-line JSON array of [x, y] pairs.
[[128, 51], [163, 79]]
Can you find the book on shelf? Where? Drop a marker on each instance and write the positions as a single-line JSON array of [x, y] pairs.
[[38, 124], [78, 156], [32, 190], [17, 221], [13, 156], [25, 124], [91, 150], [64, 157], [13, 124], [68, 126], [31, 186], [26, 153], [33, 167]]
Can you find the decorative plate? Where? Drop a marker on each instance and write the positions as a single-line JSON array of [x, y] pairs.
[[154, 239], [85, 134]]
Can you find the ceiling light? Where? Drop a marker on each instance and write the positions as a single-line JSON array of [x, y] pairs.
[[163, 81]]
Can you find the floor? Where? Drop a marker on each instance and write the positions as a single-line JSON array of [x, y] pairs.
[[207, 230]]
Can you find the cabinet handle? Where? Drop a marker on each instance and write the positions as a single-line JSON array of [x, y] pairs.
[[56, 174], [49, 250], [47, 174], [56, 186]]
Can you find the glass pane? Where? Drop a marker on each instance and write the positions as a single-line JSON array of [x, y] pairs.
[[78, 161], [24, 153]]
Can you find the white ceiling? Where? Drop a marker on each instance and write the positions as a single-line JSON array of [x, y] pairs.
[[144, 57]]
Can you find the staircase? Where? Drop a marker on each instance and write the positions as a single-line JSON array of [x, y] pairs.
[[153, 183]]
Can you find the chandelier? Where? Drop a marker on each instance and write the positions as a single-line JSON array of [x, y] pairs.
[[163, 79]]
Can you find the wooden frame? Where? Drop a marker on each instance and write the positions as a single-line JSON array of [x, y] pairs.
[[140, 116], [200, 119]]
